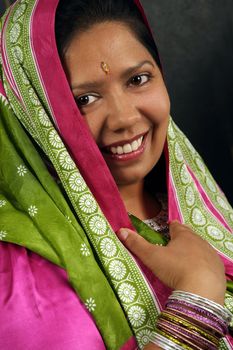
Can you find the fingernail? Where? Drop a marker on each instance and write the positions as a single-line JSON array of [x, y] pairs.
[[123, 234]]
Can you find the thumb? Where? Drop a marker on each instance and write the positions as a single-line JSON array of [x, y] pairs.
[[137, 245]]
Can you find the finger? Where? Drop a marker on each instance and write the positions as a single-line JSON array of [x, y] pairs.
[[137, 245], [176, 228]]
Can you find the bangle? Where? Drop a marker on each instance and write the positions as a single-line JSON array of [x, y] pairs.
[[205, 304], [164, 342], [191, 322]]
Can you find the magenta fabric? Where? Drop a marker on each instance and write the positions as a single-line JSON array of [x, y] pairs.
[[39, 308]]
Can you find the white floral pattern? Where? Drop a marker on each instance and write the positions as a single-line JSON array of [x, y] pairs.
[[21, 170], [43, 118], [2, 203], [108, 247], [19, 12], [17, 54], [15, 33], [144, 337], [210, 184], [66, 161], [85, 250], [33, 97], [117, 269], [98, 225], [54, 139], [127, 292], [229, 245], [197, 217], [90, 304], [222, 203], [178, 153], [32, 210], [184, 175], [77, 183], [23, 75], [87, 204], [137, 316], [171, 131], [215, 233], [189, 196], [2, 234], [200, 165], [68, 219]]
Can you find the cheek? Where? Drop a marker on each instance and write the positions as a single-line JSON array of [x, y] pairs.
[[94, 124]]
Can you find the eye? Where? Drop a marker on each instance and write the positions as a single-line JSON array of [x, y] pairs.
[[85, 100], [139, 79]]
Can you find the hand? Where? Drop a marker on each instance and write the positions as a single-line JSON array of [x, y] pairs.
[[187, 263]]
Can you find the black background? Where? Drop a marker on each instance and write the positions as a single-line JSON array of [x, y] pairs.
[[195, 41]]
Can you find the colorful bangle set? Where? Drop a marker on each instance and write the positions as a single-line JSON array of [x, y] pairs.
[[191, 322]]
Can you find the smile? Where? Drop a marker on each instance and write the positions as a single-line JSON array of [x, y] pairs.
[[128, 150], [128, 147]]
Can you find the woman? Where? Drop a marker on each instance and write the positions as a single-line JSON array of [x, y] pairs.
[[110, 72]]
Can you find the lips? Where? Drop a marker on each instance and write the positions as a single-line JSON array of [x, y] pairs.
[[126, 150], [125, 146]]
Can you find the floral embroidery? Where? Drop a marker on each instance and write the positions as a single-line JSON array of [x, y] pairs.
[[198, 218], [21, 170], [84, 250], [19, 12], [229, 245], [2, 203], [43, 118], [17, 54], [90, 304], [87, 204], [77, 183], [222, 203], [98, 225], [55, 139], [32, 210], [178, 153], [200, 165], [15, 33], [184, 174], [215, 233], [189, 196], [144, 337], [210, 184], [117, 269], [108, 247], [127, 292], [2, 234], [66, 161], [33, 97], [137, 316]]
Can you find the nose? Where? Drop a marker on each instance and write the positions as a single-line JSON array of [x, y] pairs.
[[122, 113]]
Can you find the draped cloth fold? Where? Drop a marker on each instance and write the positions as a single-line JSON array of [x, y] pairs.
[[73, 224]]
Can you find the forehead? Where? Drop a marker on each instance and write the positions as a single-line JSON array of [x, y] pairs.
[[111, 42]]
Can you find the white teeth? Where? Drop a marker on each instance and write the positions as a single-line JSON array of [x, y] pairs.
[[120, 150], [135, 145], [127, 148]]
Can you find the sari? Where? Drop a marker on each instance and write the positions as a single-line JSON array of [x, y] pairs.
[[67, 281]]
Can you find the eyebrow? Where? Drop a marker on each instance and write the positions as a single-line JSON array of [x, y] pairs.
[[98, 84]]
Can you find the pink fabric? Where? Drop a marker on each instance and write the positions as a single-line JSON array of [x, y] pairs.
[[39, 309]]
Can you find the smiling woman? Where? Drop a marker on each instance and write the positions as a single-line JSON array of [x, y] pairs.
[[88, 146]]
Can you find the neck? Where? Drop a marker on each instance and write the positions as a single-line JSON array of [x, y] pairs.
[[139, 202]]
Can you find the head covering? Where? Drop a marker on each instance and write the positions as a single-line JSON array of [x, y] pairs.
[[40, 122]]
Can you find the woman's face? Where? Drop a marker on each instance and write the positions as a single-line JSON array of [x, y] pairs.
[[126, 109]]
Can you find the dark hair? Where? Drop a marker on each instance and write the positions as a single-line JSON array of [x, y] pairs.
[[76, 16]]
